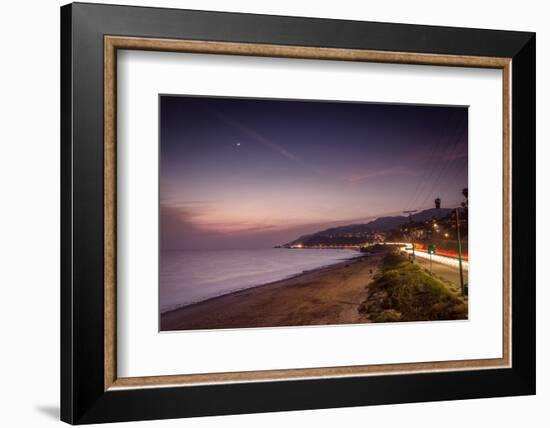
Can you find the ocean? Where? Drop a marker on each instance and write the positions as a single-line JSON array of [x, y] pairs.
[[191, 276]]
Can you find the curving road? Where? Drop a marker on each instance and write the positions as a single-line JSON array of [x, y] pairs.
[[449, 274]]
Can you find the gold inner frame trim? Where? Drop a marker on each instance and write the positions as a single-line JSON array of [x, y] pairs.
[[113, 43]]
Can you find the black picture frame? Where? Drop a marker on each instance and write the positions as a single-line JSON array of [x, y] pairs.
[[83, 398]]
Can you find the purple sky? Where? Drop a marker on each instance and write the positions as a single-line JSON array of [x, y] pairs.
[[251, 173]]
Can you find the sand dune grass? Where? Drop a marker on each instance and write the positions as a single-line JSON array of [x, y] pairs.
[[405, 292]]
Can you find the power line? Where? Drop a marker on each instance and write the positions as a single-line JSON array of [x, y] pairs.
[[428, 171], [444, 165], [430, 165], [437, 162]]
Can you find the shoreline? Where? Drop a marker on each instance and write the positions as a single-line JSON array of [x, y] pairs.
[[325, 295], [265, 284]]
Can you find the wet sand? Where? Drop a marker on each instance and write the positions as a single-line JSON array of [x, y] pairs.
[[328, 295]]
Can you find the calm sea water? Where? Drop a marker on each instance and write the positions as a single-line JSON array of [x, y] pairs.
[[191, 276]]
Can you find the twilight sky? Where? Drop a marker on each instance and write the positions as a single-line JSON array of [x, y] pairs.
[[252, 173]]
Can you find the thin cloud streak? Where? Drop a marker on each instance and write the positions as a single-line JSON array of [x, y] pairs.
[[384, 172], [254, 135], [447, 154]]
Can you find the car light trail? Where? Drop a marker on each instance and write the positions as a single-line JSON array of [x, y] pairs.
[[449, 261]]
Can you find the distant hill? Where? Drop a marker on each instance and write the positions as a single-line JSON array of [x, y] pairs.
[[359, 231], [431, 213]]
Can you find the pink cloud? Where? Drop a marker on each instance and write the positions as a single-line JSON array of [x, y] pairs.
[[383, 172], [179, 230]]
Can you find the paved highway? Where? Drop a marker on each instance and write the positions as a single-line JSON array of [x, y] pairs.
[[449, 274]]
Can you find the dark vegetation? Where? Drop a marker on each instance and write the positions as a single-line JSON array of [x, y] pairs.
[[359, 233], [405, 292]]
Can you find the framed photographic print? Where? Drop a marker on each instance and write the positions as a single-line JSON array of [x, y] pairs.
[[265, 213]]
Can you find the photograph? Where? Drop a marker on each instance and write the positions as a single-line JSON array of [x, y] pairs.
[[279, 213]]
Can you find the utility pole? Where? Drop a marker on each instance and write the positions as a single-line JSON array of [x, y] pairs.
[[410, 212], [459, 252]]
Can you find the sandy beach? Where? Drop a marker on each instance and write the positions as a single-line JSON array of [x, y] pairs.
[[328, 295]]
